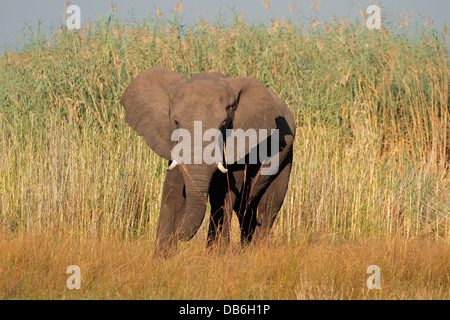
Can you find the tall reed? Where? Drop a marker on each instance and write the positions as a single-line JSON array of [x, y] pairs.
[[372, 147]]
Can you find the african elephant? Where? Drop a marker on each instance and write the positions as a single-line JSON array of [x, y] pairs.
[[159, 101]]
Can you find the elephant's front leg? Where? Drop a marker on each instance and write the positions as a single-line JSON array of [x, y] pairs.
[[173, 203], [215, 224], [220, 220], [221, 198]]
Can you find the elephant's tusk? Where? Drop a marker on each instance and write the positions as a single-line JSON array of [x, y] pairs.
[[222, 168], [172, 165]]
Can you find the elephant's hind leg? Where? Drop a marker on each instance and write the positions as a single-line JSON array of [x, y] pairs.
[[247, 222], [271, 202]]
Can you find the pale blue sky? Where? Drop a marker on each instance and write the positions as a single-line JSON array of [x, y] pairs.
[[16, 15]]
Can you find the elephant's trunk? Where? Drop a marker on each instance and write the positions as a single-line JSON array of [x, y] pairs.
[[197, 188]]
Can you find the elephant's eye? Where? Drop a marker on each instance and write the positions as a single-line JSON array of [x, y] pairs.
[[176, 122]]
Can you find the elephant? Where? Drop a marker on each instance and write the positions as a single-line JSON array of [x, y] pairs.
[[159, 101]]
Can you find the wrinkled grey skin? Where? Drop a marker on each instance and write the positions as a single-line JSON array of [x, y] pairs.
[[160, 100]]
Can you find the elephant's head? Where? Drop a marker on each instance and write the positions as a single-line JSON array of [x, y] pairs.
[[159, 101]]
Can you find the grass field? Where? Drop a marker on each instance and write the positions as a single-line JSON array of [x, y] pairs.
[[369, 186]]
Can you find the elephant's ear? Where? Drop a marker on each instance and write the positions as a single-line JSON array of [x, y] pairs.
[[146, 103], [257, 107]]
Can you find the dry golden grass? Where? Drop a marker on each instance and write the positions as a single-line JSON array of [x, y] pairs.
[[34, 266]]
